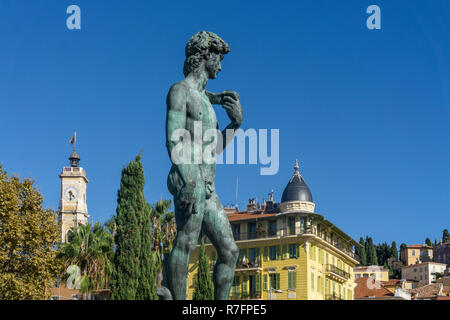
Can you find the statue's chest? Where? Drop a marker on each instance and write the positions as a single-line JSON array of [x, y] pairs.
[[200, 109]]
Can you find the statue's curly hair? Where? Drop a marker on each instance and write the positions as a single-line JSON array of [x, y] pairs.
[[201, 44]]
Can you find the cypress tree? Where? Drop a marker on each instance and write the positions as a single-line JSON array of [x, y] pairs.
[[147, 284], [445, 236], [394, 251], [362, 252], [204, 287], [371, 253], [129, 280], [428, 242]]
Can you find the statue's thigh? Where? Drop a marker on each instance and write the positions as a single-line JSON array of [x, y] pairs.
[[188, 226], [216, 225]]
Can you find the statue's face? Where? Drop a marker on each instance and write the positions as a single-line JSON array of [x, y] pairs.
[[213, 65]]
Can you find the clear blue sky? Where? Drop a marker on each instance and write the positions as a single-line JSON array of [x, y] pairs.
[[366, 112]]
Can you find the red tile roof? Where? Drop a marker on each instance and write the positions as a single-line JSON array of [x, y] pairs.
[[244, 215], [362, 289], [429, 291], [419, 246]]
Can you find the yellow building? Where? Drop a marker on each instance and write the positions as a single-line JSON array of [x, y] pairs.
[[416, 253], [376, 272], [287, 251]]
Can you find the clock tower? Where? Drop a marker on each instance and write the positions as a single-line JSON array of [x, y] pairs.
[[72, 210]]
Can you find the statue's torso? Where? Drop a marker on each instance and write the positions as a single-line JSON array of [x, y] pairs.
[[200, 118]]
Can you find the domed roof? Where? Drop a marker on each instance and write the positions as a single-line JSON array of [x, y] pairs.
[[297, 189]]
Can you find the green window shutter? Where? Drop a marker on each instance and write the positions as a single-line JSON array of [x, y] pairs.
[[292, 280], [318, 284], [297, 250], [266, 253], [311, 248], [289, 280], [278, 252], [265, 282], [277, 277], [258, 282], [244, 284], [285, 252], [312, 281]]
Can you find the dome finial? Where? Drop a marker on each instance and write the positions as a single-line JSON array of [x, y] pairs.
[[296, 167]]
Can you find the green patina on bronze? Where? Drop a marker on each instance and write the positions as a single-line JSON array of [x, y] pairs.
[[197, 206]]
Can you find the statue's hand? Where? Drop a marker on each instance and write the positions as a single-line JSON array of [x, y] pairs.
[[231, 102], [189, 197]]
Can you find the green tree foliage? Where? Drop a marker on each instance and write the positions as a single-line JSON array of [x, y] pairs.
[[164, 229], [29, 235], [394, 251], [362, 252], [445, 236], [204, 287], [372, 258], [384, 253], [91, 248], [428, 242], [130, 279], [147, 284]]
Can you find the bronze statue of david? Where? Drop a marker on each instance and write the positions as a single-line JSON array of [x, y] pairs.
[[191, 182]]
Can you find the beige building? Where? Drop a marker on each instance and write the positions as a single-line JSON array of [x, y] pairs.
[[72, 210], [424, 273], [376, 272], [417, 253]]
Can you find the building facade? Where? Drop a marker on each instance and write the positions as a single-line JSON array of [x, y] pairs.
[[417, 253], [424, 273], [287, 251], [441, 253], [376, 272]]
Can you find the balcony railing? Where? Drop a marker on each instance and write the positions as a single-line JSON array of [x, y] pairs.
[[337, 271], [290, 231], [248, 263], [334, 297], [254, 295]]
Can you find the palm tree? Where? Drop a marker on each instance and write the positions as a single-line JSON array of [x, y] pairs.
[[164, 229], [90, 247]]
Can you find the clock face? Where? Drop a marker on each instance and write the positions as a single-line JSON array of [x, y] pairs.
[[71, 193]]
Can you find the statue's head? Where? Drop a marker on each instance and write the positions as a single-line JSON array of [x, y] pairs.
[[205, 47]]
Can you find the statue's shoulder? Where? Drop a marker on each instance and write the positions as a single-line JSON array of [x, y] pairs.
[[179, 88]]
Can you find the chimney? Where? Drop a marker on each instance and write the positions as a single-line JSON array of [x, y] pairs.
[[251, 205]]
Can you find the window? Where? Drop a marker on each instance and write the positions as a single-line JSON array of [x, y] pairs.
[[252, 254], [294, 251], [312, 281], [251, 230], [236, 231], [272, 228], [413, 252], [274, 252], [291, 225], [274, 281], [292, 280]]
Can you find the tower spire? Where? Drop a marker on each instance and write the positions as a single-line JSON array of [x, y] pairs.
[[74, 158], [296, 167]]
